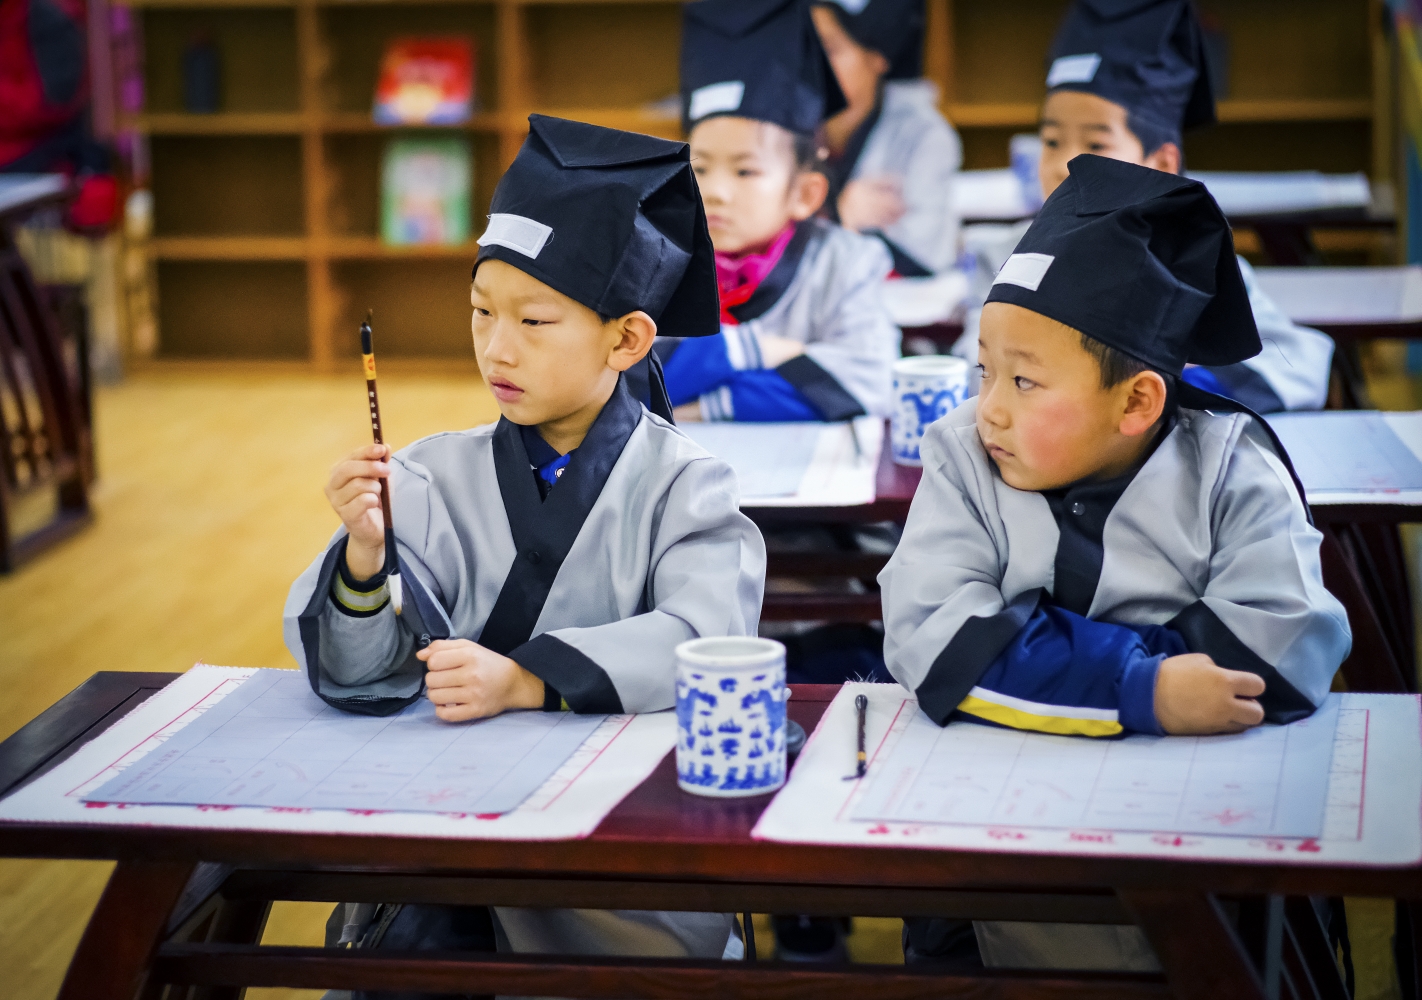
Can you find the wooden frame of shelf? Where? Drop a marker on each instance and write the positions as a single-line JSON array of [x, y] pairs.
[[520, 74]]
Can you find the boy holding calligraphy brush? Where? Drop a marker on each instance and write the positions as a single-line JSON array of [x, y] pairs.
[[555, 559]]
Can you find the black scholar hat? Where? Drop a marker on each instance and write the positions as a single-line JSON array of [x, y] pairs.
[[758, 59], [1138, 259], [1146, 55], [892, 28], [612, 220]]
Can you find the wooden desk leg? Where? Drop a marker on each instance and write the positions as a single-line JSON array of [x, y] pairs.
[[1199, 952], [125, 930]]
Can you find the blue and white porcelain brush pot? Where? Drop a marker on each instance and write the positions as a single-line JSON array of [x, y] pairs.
[[730, 716]]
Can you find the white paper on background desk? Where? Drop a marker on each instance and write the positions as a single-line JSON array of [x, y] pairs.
[[1372, 813], [272, 742], [797, 464], [989, 194], [1322, 296], [1274, 192], [1353, 451], [617, 757], [1268, 781]]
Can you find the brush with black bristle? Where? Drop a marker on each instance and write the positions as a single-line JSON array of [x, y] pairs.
[[392, 563]]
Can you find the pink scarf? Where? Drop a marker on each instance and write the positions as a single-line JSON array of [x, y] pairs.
[[739, 275]]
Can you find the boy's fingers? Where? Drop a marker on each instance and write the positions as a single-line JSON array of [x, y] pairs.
[[1247, 712], [1245, 684]]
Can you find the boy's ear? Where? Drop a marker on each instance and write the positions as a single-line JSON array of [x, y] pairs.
[[1145, 402], [807, 193], [1167, 158], [635, 333]]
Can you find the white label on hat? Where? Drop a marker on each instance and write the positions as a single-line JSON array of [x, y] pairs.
[[714, 98], [516, 233], [853, 6], [1073, 69], [1024, 269]]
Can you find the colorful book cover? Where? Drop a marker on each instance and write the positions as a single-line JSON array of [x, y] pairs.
[[424, 189], [425, 81]]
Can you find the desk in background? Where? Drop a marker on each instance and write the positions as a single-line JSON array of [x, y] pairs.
[[1283, 208], [188, 907]]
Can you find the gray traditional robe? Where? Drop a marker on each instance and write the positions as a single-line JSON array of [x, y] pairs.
[[640, 545], [826, 293], [913, 143]]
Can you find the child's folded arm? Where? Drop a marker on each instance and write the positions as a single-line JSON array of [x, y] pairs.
[[1265, 608], [763, 396], [697, 366], [929, 227], [1066, 674], [707, 580]]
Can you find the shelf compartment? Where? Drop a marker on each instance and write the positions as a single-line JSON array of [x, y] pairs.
[[354, 162], [258, 48], [421, 306], [357, 34], [634, 119], [227, 186], [578, 51], [232, 309]]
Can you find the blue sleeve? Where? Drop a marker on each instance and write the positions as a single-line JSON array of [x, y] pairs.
[[697, 366], [762, 394], [1202, 378], [1063, 673]]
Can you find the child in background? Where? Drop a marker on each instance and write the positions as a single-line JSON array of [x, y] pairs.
[[893, 156], [1099, 546], [805, 335], [557, 557], [1126, 85]]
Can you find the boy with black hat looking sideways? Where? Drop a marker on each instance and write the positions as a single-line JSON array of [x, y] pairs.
[[555, 559], [805, 331], [1126, 79], [1099, 547]]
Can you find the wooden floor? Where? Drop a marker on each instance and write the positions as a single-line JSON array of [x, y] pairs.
[[208, 505]]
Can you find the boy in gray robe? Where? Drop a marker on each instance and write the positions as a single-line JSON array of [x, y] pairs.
[[1099, 547], [555, 559]]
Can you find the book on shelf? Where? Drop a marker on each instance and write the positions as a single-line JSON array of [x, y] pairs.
[[424, 191], [425, 81]]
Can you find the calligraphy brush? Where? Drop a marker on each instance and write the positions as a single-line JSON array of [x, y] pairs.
[[392, 563]]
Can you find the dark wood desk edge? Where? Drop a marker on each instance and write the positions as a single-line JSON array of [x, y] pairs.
[[608, 854], [58, 731]]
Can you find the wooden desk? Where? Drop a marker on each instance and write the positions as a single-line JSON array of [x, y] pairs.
[[1349, 303], [894, 487], [187, 907]]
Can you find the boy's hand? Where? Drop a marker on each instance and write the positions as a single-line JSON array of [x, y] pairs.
[[354, 493], [871, 203], [688, 413], [467, 681], [1194, 697], [775, 351]]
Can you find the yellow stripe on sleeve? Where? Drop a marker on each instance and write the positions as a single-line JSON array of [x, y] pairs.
[[357, 601], [1016, 718]]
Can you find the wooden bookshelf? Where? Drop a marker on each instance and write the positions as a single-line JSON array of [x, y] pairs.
[[266, 213]]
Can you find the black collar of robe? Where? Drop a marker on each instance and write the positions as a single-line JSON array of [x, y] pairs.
[[1146, 55], [892, 28], [759, 59], [1138, 259], [544, 530], [774, 284]]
